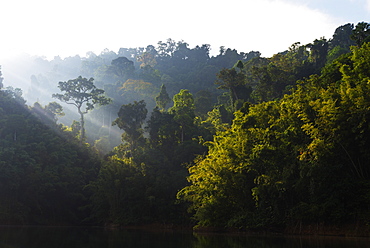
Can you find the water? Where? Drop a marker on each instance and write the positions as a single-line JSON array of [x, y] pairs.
[[55, 237]]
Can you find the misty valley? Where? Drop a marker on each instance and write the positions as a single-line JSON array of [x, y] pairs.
[[171, 137]]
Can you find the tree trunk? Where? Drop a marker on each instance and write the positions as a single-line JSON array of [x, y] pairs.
[[82, 136], [234, 97]]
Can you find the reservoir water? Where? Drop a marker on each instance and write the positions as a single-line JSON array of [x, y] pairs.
[[72, 237]]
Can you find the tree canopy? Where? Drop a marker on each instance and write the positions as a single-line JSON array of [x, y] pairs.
[[278, 143], [81, 93]]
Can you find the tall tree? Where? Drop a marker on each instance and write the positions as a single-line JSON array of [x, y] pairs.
[[234, 81], [82, 93], [183, 109], [162, 99], [130, 119], [318, 53], [163, 129]]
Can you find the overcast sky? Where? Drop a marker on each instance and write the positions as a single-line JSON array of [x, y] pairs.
[[69, 27]]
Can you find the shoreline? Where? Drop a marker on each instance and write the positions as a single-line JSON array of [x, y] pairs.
[[317, 229]]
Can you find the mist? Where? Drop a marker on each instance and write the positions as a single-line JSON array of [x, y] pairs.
[[38, 78]]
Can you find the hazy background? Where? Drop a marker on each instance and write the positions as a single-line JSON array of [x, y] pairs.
[[49, 39], [70, 27]]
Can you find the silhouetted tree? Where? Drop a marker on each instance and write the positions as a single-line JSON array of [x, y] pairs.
[[81, 93]]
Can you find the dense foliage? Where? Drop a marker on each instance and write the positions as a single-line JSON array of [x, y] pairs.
[[43, 169], [244, 141], [300, 158]]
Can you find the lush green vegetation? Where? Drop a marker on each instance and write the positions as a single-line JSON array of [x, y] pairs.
[[43, 168], [246, 142]]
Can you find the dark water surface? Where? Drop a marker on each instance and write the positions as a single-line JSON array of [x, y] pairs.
[[55, 237]]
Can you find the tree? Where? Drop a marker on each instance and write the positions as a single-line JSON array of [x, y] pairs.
[[162, 99], [16, 94], [221, 181], [342, 37], [234, 81], [132, 90], [318, 53], [81, 93], [163, 130], [130, 119], [147, 59], [118, 194], [183, 110], [361, 33], [122, 67], [166, 49], [203, 103]]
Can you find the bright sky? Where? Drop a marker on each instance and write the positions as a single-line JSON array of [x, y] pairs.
[[69, 27]]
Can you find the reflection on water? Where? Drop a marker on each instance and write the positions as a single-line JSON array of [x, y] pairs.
[[55, 237], [239, 241]]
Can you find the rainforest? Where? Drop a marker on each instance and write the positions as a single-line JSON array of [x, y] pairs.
[[169, 135]]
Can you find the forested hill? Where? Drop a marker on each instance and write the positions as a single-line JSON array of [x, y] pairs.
[[42, 167], [232, 141]]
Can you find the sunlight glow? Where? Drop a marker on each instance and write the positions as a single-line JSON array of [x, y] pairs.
[[75, 27]]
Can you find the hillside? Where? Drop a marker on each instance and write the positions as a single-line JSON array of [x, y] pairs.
[[228, 141]]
